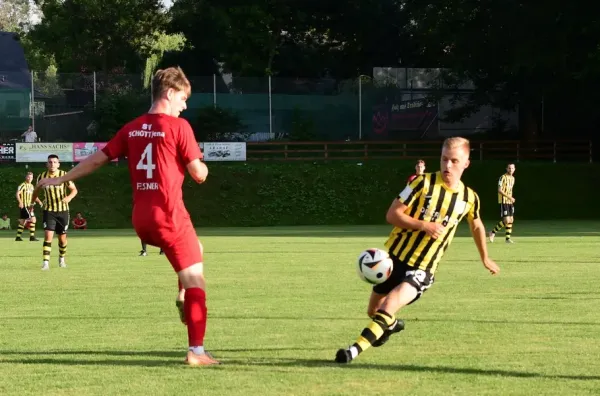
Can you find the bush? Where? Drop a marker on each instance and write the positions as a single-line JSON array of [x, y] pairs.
[[216, 124], [114, 109], [303, 127], [306, 193]]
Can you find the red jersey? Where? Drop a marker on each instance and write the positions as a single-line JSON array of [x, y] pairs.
[[411, 178], [79, 222], [158, 148]]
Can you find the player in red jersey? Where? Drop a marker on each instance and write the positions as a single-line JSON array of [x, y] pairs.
[[419, 169], [159, 147]]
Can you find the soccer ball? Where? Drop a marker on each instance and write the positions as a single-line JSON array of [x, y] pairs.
[[374, 266]]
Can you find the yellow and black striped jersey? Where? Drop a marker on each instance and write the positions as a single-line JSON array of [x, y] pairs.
[[53, 195], [429, 199], [25, 191], [505, 184]]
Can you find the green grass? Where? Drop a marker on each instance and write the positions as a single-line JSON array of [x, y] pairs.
[[283, 300]]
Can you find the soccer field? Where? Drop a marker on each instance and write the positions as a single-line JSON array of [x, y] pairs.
[[281, 302]]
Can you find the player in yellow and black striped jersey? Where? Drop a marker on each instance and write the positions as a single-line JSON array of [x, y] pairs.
[[56, 211], [425, 217], [506, 183], [26, 213]]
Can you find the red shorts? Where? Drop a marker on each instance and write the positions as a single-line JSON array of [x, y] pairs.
[[179, 243]]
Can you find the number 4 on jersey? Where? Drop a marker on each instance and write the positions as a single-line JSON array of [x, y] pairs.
[[146, 162]]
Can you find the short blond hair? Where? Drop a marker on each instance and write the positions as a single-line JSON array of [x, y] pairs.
[[454, 142], [172, 77]]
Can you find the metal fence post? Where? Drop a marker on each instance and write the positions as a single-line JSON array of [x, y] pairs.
[[270, 112], [32, 111], [94, 90], [214, 90], [359, 108]]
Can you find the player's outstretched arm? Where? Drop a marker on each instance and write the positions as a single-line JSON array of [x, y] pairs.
[[478, 232], [198, 170], [84, 168]]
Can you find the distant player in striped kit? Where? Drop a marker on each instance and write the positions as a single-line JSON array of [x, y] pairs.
[[26, 214], [506, 183], [56, 210]]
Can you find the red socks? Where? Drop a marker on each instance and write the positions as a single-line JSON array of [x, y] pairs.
[[195, 315]]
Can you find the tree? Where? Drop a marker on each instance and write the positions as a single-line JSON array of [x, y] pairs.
[[294, 39], [14, 15], [514, 52], [37, 59], [216, 124], [98, 35], [157, 45], [246, 38], [357, 35]]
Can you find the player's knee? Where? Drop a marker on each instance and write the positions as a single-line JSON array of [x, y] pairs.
[[373, 307], [192, 276], [371, 311]]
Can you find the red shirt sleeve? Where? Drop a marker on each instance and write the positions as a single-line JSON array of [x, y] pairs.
[[187, 145], [411, 178], [117, 146]]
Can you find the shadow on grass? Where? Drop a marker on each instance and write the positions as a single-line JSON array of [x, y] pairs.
[[316, 318], [175, 354], [266, 362], [315, 363]]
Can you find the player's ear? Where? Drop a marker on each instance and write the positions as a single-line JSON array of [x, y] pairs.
[[467, 164], [170, 93]]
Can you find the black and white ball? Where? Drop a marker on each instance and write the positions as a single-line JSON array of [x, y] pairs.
[[374, 266]]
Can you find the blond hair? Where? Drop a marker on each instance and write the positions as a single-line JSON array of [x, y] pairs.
[[172, 77], [454, 142]]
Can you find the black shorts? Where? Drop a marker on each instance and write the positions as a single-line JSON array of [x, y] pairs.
[[56, 221], [507, 210], [26, 214], [402, 272]]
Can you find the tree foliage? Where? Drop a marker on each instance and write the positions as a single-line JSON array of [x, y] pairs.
[[114, 109], [245, 37], [98, 35], [15, 15], [515, 53], [269, 37], [216, 124], [510, 54], [156, 45]]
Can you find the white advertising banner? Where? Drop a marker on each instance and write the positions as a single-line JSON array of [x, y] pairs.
[[224, 151], [39, 152]]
